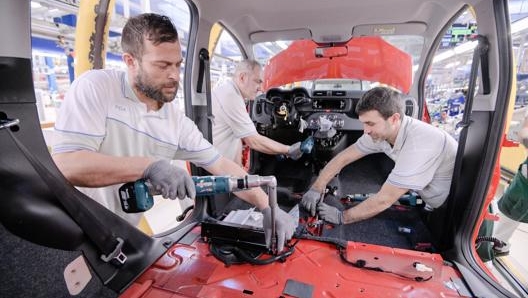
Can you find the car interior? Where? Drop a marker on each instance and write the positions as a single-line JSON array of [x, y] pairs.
[[47, 223], [354, 182]]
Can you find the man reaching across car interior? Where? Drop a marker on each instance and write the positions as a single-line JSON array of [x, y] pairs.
[[424, 159], [232, 124]]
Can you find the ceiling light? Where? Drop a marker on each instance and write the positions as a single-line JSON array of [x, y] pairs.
[[35, 4], [444, 55], [465, 47], [519, 25], [282, 44], [452, 64]]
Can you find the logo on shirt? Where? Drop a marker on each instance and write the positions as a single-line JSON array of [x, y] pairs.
[[120, 108]]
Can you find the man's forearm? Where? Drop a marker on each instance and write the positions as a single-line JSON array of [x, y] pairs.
[[254, 196], [375, 204], [326, 174], [266, 145], [366, 209], [92, 169]]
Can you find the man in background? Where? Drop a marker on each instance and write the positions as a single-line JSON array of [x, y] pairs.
[[232, 125]]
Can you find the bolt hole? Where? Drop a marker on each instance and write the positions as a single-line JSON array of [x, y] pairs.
[[247, 292]]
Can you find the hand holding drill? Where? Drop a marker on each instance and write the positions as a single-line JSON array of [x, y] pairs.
[[170, 181]]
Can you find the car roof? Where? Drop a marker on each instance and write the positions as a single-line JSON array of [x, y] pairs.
[[329, 22], [257, 21]]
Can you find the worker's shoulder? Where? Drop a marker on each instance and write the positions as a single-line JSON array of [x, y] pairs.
[[414, 125], [225, 88], [102, 75], [425, 133], [100, 81]]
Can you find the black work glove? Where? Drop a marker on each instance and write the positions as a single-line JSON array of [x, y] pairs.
[[171, 181], [330, 214], [310, 199], [284, 226], [295, 151]]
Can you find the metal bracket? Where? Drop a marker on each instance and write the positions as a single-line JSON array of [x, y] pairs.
[[6, 123], [77, 275], [117, 256]]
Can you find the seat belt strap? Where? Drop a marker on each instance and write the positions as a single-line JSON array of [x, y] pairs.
[[205, 73], [73, 201]]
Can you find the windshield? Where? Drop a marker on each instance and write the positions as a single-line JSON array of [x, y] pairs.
[[341, 84], [364, 65]]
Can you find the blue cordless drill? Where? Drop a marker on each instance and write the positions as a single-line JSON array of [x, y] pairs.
[[137, 196]]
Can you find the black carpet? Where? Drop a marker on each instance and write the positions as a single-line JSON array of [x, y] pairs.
[[30, 270], [397, 227]]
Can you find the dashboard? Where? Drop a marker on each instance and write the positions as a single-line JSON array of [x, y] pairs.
[[328, 117], [314, 108]]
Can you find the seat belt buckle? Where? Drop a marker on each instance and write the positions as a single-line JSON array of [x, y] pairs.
[[117, 257]]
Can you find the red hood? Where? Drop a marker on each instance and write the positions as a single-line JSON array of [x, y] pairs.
[[368, 58]]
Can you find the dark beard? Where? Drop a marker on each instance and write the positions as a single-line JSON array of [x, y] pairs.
[[151, 91]]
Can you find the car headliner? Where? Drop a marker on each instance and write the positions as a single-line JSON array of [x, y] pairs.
[[324, 21]]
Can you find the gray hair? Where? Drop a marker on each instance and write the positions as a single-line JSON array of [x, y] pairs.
[[246, 66]]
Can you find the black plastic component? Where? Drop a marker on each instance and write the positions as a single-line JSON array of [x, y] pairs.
[[242, 236], [229, 255], [16, 83]]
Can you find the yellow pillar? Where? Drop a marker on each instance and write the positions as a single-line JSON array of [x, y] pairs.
[[144, 226], [91, 34], [511, 157], [214, 36]]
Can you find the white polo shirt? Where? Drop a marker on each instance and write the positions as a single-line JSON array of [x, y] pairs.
[[101, 113], [424, 159], [232, 121]]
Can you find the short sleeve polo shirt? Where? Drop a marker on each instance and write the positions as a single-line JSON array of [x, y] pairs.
[[424, 159], [101, 113], [231, 122]]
